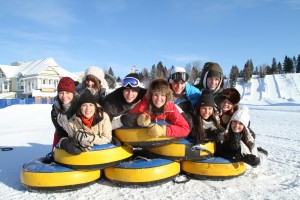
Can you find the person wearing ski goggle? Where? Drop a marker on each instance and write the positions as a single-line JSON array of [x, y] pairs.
[[131, 81], [185, 95], [179, 76], [118, 103]]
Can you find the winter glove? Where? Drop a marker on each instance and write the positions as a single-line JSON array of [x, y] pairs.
[[144, 120], [70, 146], [234, 141], [129, 120], [156, 130], [260, 149], [215, 135], [251, 160], [85, 139], [116, 141]]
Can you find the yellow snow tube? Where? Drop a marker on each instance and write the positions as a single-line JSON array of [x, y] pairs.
[[213, 168], [185, 150], [143, 172], [40, 175], [138, 137], [100, 157]]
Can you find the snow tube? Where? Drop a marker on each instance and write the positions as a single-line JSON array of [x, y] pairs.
[[213, 168], [38, 174], [184, 150], [143, 172], [100, 157]]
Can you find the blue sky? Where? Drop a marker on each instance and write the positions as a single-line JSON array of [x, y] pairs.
[[124, 33]]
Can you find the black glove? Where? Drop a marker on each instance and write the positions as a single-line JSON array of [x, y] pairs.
[[216, 135], [70, 146], [234, 142], [129, 120], [116, 141], [251, 160]]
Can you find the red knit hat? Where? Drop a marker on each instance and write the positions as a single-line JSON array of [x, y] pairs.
[[66, 84]]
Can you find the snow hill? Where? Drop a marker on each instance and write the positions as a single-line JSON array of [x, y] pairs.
[[279, 88]]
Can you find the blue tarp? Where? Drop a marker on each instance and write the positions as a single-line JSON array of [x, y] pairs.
[[8, 102]]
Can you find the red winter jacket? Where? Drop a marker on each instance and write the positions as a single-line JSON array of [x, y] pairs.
[[178, 126]]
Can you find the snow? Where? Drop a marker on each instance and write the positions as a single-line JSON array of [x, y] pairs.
[[274, 104]]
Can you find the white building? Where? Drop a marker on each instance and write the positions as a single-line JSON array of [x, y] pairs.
[[38, 78]]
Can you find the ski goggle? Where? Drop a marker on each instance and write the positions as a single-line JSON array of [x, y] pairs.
[[133, 82], [178, 76]]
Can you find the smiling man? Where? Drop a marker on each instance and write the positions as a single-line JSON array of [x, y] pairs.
[[118, 103]]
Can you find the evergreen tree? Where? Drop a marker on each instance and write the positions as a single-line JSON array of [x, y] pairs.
[[274, 67], [294, 64], [233, 75], [160, 70], [256, 72], [298, 64], [118, 79], [110, 72], [279, 68], [153, 72], [287, 65], [248, 68]]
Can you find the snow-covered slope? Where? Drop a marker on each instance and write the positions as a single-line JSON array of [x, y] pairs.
[[279, 88]]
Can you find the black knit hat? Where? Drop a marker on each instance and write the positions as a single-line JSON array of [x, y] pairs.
[[87, 97], [206, 99]]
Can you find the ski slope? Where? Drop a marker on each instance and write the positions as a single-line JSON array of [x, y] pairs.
[[278, 88]]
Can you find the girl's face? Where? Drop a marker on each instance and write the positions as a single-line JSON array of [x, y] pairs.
[[130, 95], [88, 110], [89, 83], [206, 111], [65, 97], [226, 105], [178, 87], [159, 99], [237, 126], [212, 82]]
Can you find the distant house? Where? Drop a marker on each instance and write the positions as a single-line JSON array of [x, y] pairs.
[[38, 78]]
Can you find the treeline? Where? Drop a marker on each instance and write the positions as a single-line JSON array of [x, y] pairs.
[[289, 65]]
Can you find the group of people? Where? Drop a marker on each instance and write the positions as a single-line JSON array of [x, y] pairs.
[[85, 115]]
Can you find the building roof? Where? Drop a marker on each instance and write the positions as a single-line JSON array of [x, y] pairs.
[[35, 68], [9, 71]]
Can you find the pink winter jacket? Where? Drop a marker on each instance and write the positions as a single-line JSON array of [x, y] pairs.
[[178, 126]]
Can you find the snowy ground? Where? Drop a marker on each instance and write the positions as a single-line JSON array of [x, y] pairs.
[[274, 106]]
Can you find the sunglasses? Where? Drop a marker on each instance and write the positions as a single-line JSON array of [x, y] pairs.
[[133, 82], [178, 76]]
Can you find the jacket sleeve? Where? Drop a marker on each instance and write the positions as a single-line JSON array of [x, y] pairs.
[[193, 94], [59, 130], [179, 127], [105, 136]]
